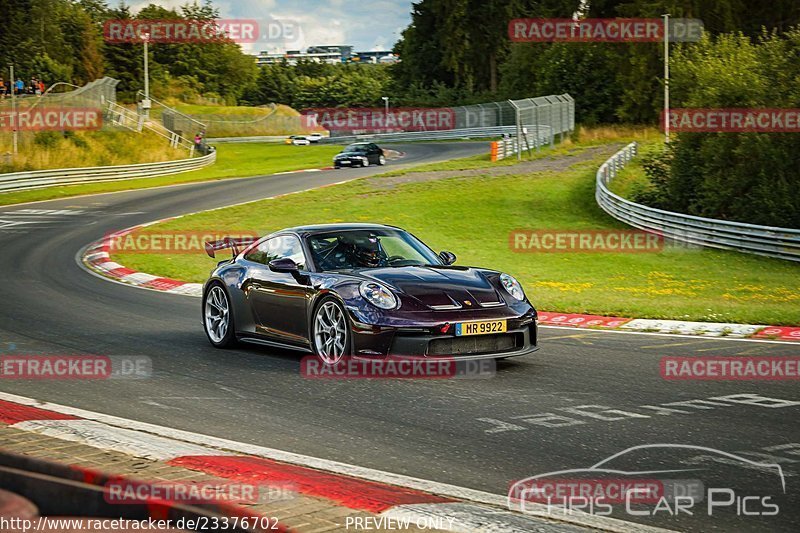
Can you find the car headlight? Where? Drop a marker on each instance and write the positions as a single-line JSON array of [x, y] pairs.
[[378, 295], [512, 286]]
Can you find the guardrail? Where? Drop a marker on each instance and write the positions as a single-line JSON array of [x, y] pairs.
[[39, 179], [782, 243]]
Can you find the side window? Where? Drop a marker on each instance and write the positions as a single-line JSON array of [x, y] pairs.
[[277, 248]]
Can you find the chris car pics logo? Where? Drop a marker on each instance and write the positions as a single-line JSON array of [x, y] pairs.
[[688, 481]]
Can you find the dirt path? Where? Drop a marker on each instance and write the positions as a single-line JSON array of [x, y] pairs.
[[555, 163]]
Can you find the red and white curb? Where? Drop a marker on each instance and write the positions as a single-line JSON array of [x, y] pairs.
[[389, 495], [681, 327], [96, 257]]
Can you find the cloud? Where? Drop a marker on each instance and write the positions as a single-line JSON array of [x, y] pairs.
[[367, 25]]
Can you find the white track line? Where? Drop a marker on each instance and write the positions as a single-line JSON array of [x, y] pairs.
[[123, 431]]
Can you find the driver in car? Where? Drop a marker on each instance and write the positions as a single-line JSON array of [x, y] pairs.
[[368, 253]]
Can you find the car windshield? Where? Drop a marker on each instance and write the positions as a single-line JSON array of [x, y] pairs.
[[357, 148], [374, 248]]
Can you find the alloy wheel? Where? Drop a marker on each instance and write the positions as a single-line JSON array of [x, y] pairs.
[[330, 333], [217, 314]]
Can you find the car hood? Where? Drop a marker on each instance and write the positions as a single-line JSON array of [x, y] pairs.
[[351, 154], [440, 287]]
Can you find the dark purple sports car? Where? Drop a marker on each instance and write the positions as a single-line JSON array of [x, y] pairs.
[[363, 290]]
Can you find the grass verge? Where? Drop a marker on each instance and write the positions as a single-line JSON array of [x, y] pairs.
[[473, 214], [233, 161], [54, 149]]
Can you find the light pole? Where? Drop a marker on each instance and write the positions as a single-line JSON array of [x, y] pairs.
[[386, 101], [666, 78], [14, 115], [146, 101]]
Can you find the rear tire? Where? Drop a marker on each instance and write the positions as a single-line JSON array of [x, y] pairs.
[[381, 160], [218, 317]]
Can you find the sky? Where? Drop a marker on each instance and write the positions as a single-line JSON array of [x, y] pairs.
[[298, 24]]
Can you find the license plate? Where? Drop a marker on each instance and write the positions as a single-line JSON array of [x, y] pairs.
[[344, 162], [480, 328]]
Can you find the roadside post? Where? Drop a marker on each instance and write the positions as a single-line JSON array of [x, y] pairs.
[[666, 78]]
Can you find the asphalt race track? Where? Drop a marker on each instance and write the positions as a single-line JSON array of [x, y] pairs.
[[584, 396]]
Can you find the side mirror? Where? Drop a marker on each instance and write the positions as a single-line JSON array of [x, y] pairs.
[[284, 264], [448, 258]]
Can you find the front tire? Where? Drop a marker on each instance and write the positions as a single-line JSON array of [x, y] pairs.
[[218, 317], [381, 160], [330, 331]]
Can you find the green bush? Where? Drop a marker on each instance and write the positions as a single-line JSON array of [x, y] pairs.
[[747, 177], [656, 167], [47, 139]]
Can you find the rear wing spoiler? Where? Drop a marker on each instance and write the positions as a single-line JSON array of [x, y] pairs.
[[235, 244]]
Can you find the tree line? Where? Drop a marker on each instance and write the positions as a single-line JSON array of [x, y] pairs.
[[461, 49], [458, 52], [62, 41], [746, 177]]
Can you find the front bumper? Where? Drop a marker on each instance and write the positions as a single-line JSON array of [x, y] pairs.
[[348, 162], [521, 338]]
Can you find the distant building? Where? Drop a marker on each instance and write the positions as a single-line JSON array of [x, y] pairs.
[[345, 51], [375, 56], [332, 54], [292, 57]]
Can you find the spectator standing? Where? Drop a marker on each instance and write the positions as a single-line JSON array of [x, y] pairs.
[[19, 86], [41, 86], [2, 88]]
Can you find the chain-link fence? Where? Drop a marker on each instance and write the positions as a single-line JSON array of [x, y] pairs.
[[268, 121], [97, 94], [28, 121], [530, 123], [540, 120]]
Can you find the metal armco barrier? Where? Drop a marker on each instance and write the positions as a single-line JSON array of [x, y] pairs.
[[782, 243], [39, 179]]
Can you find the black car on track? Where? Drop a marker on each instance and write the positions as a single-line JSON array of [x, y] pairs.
[[360, 155], [363, 290]]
